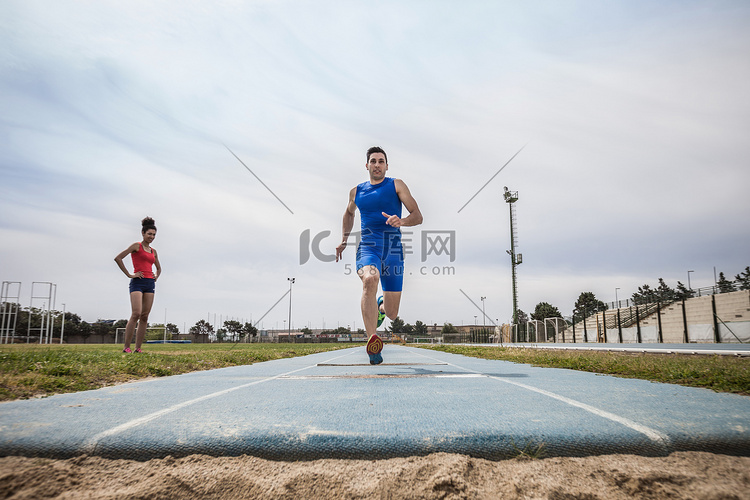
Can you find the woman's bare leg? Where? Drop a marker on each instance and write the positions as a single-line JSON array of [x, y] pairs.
[[146, 304], [136, 304]]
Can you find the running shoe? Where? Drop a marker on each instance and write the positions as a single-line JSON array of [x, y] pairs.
[[381, 315], [374, 345], [127, 350], [376, 359], [138, 350]]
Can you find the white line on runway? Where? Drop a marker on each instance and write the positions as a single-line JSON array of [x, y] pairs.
[[384, 375], [90, 446], [650, 433]]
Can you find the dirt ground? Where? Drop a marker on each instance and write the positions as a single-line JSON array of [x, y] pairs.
[[684, 475]]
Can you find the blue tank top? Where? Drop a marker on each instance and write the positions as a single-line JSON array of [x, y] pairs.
[[372, 201]]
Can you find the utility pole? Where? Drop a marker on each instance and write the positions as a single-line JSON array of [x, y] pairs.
[[510, 198]]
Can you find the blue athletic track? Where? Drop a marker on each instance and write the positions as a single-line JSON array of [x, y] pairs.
[[337, 405]]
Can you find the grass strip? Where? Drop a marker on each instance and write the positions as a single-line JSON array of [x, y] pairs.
[[29, 370], [720, 373]]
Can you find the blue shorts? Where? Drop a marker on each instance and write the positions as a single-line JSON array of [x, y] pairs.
[[143, 285], [387, 259]]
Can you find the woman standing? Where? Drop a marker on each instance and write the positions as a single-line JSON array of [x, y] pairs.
[[142, 282]]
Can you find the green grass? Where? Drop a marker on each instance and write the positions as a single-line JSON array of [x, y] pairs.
[[29, 370], [720, 373]]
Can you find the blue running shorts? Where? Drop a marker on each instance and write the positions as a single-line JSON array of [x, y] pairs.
[[143, 285], [389, 263]]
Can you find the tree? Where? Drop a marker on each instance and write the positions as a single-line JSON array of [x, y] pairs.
[[84, 330], [397, 325], [306, 331], [682, 293], [26, 315], [202, 327], [74, 326], [74, 318], [449, 328], [664, 293], [249, 330], [743, 279], [157, 332], [645, 295], [234, 328], [420, 328], [221, 334], [173, 329], [545, 310], [725, 286], [523, 318], [103, 328], [586, 305], [408, 329]]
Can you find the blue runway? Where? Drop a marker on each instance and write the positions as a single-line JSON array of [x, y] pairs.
[[336, 405]]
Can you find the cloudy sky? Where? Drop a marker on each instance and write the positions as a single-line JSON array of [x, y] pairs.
[[634, 115]]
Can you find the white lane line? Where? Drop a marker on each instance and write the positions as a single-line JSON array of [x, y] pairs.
[[90, 446], [652, 434]]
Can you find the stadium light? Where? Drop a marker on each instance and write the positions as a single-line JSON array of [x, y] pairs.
[[484, 316], [510, 198], [291, 282]]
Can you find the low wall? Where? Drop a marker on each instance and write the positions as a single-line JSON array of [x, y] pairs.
[[723, 317]]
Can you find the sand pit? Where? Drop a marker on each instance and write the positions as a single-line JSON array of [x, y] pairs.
[[684, 475]]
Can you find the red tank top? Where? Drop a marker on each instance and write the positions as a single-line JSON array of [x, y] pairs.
[[143, 261]]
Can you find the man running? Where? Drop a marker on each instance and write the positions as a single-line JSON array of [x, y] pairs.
[[380, 257]]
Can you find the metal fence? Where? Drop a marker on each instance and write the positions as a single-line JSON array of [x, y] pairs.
[[705, 318]]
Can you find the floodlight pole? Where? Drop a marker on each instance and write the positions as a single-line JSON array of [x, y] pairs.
[[510, 198], [291, 282], [484, 316]]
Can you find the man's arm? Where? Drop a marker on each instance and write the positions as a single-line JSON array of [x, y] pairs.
[[415, 216], [347, 224]]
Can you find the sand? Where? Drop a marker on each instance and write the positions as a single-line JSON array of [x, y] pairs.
[[683, 475]]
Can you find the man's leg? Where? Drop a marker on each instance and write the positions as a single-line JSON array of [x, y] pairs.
[[392, 282], [370, 277], [391, 303]]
